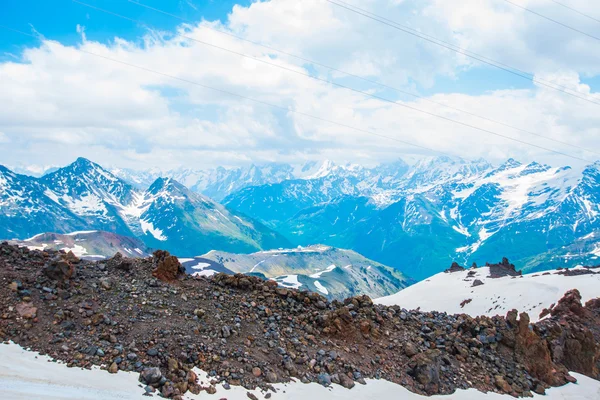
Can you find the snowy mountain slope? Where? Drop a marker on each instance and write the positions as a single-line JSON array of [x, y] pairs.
[[87, 244], [91, 193], [26, 375], [187, 223], [84, 196], [454, 293], [442, 209], [26, 209], [335, 273]]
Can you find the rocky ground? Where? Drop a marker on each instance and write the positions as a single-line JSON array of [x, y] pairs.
[[147, 315]]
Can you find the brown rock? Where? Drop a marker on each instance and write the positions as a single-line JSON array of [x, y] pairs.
[[502, 384], [61, 267], [166, 267], [113, 368], [26, 310]]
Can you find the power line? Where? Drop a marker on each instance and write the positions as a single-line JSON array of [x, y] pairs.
[[348, 74], [552, 20], [460, 50], [576, 11], [286, 109], [345, 87]]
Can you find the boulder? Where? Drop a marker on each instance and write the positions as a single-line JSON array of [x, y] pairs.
[[167, 268]]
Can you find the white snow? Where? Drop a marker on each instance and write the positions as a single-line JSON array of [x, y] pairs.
[[201, 266], [531, 293], [25, 375], [86, 205], [462, 230], [78, 250], [318, 274], [256, 265], [321, 288], [289, 281], [205, 272], [34, 237], [80, 233], [149, 227]]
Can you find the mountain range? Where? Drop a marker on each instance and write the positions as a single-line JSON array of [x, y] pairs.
[[441, 210], [417, 218], [167, 215]]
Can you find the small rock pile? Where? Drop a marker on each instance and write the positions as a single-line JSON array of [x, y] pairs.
[[145, 315]]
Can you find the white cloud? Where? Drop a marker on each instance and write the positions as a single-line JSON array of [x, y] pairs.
[[4, 138], [60, 103]]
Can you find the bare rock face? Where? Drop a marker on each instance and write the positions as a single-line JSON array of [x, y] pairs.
[[570, 338], [167, 268], [504, 268], [569, 304], [454, 268], [61, 267]]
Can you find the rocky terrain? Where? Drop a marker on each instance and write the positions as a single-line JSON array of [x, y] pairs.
[[147, 315]]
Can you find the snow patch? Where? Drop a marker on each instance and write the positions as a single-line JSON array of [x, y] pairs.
[[321, 288], [149, 227]]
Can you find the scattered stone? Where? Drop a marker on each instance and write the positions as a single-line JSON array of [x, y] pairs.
[[105, 283], [26, 310], [476, 283], [150, 376]]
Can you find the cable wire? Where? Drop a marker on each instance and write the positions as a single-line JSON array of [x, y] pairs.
[[286, 109], [553, 20], [460, 50], [347, 87], [576, 11], [348, 74]]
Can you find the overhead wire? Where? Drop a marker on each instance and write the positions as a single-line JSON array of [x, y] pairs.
[[468, 53], [286, 109], [575, 10], [352, 89], [345, 73], [529, 10]]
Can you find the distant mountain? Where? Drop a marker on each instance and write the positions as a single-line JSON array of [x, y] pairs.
[[442, 209], [218, 183], [88, 244], [84, 196], [335, 273]]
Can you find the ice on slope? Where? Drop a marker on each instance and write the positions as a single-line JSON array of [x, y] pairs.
[[321, 288], [25, 375], [531, 293], [317, 275]]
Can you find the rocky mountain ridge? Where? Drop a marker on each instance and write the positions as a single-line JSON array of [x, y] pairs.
[[145, 315], [334, 273]]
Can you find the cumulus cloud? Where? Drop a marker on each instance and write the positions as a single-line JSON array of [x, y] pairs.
[[60, 102]]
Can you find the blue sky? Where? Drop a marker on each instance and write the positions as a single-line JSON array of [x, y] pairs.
[[62, 104], [58, 18]]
